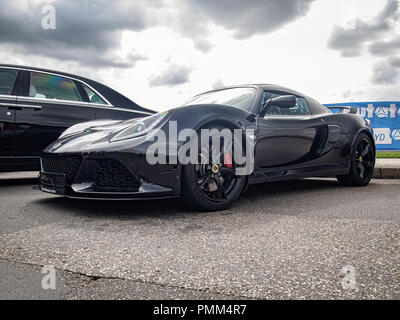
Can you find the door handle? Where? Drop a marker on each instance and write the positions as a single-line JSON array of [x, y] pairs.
[[27, 106], [20, 106], [8, 105]]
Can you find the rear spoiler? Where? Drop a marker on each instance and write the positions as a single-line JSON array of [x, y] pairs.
[[352, 110]]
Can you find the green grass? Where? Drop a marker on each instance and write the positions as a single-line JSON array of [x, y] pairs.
[[388, 154]]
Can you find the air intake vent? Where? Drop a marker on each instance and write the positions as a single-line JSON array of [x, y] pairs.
[[111, 175], [67, 165]]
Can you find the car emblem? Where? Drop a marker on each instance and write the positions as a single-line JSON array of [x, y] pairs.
[[215, 168]]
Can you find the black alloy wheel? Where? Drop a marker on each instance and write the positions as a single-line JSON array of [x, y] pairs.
[[362, 163], [212, 184], [365, 159], [216, 181]]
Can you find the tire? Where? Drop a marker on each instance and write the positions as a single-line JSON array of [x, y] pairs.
[[362, 163], [196, 190]]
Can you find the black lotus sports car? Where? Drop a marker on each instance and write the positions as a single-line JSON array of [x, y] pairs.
[[283, 135]]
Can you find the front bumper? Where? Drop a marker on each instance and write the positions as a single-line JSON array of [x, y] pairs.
[[107, 176]]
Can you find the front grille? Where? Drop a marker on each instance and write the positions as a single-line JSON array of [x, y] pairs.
[[110, 174], [67, 165]]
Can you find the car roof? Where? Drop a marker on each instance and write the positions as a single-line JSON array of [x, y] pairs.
[[315, 106], [265, 86], [45, 70], [275, 87], [117, 99]]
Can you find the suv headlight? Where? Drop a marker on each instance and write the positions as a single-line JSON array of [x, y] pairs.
[[141, 127]]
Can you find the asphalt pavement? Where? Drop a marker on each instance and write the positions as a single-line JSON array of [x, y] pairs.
[[289, 240]]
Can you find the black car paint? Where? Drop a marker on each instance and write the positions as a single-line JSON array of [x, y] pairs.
[[28, 125], [302, 146]]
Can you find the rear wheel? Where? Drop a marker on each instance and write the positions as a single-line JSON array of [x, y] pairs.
[[362, 163], [211, 186]]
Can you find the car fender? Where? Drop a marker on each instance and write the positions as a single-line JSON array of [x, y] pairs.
[[368, 133]]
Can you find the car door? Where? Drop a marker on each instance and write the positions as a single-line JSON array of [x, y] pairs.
[[286, 135], [8, 79], [50, 104]]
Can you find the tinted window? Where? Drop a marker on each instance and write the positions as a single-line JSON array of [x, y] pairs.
[[93, 96], [300, 109], [47, 86], [236, 97], [7, 80]]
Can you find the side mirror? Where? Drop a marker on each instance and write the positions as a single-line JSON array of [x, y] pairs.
[[288, 101]]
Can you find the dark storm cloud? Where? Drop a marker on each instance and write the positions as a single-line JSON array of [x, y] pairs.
[[173, 75], [89, 32], [387, 71], [350, 41], [379, 36], [86, 31], [244, 18], [88, 58]]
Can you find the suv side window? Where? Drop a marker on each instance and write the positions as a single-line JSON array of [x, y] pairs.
[[7, 80], [47, 86], [302, 108], [93, 96]]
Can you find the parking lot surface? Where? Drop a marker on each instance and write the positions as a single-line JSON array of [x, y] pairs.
[[288, 240]]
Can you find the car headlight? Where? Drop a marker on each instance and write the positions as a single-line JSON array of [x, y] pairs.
[[141, 127], [82, 127]]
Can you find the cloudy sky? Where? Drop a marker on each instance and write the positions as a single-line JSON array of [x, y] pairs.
[[159, 53]]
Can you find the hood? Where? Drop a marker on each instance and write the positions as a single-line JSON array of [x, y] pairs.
[[98, 135]]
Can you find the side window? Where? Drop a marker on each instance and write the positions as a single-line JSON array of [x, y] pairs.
[[300, 109], [93, 96], [7, 80], [302, 106], [47, 86]]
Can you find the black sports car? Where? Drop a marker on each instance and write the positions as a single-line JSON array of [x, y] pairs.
[[289, 136], [37, 105]]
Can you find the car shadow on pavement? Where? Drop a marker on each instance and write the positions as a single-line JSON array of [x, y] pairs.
[[290, 186], [170, 208], [116, 209]]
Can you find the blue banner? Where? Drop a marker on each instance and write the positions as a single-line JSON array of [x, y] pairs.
[[384, 117]]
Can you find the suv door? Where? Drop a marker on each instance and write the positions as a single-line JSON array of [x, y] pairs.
[[50, 104], [286, 136], [8, 79]]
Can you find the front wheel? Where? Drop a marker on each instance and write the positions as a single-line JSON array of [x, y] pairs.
[[362, 163], [211, 186]]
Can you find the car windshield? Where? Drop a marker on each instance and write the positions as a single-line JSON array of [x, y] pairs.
[[236, 97]]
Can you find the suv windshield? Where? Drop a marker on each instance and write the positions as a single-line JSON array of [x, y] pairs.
[[236, 97]]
